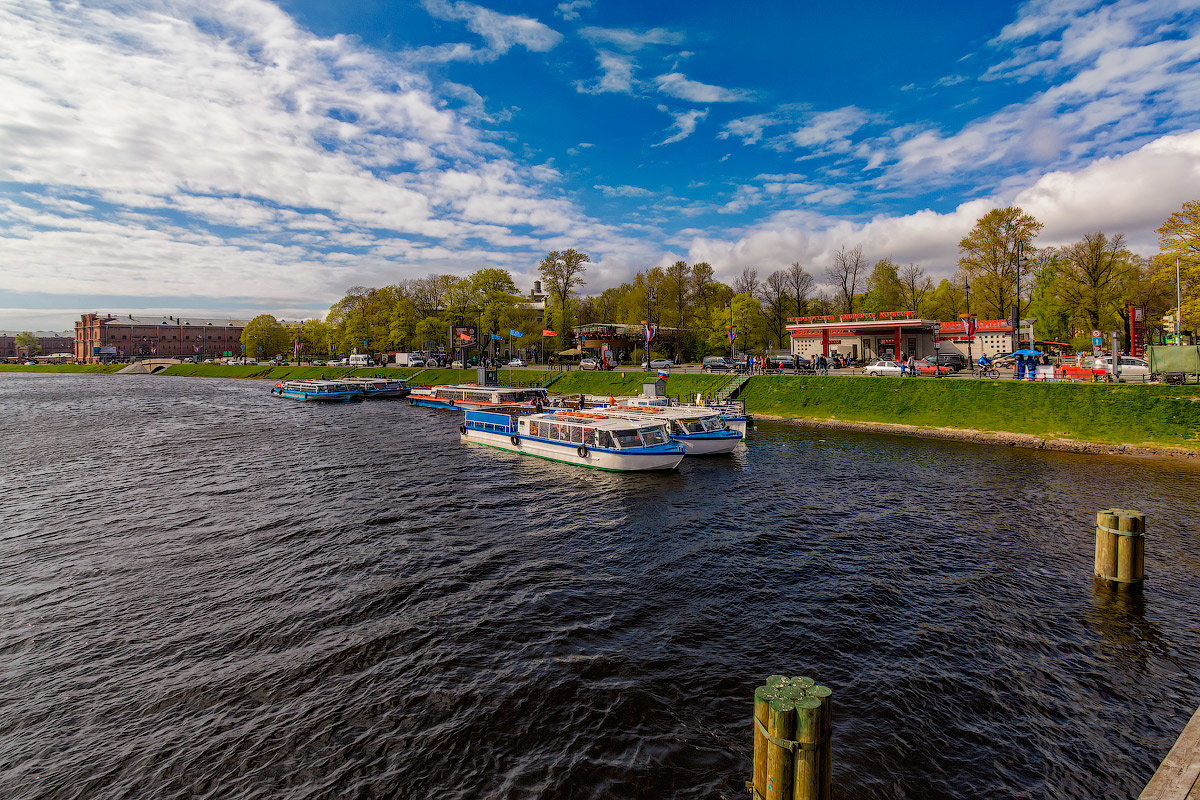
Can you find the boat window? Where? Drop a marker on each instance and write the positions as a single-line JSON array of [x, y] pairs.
[[576, 434], [589, 436], [713, 423], [627, 438], [606, 439], [694, 427], [559, 432], [653, 436]]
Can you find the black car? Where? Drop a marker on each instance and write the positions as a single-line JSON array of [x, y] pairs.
[[954, 361], [716, 364]]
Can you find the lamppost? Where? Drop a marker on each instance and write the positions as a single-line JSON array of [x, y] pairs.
[[651, 294], [729, 305], [966, 318]]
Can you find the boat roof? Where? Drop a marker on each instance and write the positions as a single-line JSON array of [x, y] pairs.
[[592, 420], [662, 412], [476, 387], [315, 382]]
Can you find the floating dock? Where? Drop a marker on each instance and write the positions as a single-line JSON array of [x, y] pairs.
[[1178, 776]]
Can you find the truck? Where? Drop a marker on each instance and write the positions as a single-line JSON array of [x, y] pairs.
[[408, 359], [360, 360]]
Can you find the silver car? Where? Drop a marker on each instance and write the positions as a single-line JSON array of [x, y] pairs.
[[882, 367]]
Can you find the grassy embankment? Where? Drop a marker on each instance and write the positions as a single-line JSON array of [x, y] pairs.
[[1107, 413], [95, 368], [680, 385]]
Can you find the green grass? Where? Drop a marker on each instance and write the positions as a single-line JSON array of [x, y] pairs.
[[630, 382], [522, 377], [93, 368], [1107, 413]]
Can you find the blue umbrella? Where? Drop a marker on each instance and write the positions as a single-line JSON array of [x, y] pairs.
[[1027, 352]]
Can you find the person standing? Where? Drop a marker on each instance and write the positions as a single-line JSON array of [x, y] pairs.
[[912, 365]]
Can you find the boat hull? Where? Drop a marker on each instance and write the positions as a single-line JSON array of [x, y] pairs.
[[569, 454], [739, 424], [318, 397], [709, 445]]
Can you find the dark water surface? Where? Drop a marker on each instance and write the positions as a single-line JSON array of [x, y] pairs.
[[208, 592]]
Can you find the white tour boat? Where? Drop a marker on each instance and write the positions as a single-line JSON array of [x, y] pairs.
[[732, 413], [701, 432], [380, 387], [317, 391], [577, 437], [471, 395]]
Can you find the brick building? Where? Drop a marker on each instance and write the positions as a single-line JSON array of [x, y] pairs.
[[50, 343], [109, 337]]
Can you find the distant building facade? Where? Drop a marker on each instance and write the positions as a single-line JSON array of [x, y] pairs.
[[49, 343], [101, 338]]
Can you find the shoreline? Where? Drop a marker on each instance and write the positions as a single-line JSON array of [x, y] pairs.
[[1003, 438]]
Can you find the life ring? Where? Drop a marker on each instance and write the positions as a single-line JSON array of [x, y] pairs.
[[516, 440], [462, 429], [449, 402], [279, 385], [306, 395], [582, 450]]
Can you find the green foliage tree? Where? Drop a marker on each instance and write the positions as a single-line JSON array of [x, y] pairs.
[[265, 337], [885, 292], [27, 342], [1092, 277], [562, 271], [1179, 242], [988, 254]]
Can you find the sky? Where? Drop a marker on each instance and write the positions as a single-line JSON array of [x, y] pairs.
[[237, 157]]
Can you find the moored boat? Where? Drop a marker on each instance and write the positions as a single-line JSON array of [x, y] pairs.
[[470, 395], [701, 431], [576, 437], [732, 413], [319, 391], [380, 387]]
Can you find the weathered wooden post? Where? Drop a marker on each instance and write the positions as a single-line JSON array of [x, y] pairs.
[[1120, 548], [792, 749], [781, 725]]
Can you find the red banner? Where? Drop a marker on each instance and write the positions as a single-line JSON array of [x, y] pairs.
[[549, 333]]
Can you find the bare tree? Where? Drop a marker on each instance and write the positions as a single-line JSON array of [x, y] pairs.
[[914, 285], [848, 265], [775, 298], [801, 283], [747, 282]]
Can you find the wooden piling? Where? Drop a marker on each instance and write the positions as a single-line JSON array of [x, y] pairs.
[[763, 696], [1120, 548], [781, 724], [825, 695], [806, 778]]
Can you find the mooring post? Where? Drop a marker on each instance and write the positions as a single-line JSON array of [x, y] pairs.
[[1120, 548], [792, 748]]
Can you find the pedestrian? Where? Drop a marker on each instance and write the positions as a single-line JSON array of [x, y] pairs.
[[612, 401], [581, 403], [912, 365]]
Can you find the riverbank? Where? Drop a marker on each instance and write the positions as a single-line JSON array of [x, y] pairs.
[[1148, 419]]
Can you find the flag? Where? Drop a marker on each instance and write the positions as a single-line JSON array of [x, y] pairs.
[[496, 338], [549, 333], [651, 330], [663, 374], [732, 334], [969, 326], [518, 334], [466, 337]]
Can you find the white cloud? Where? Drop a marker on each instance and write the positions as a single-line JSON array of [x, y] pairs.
[[617, 75], [570, 10], [684, 124], [630, 40], [1130, 194], [501, 32], [623, 191], [676, 84]]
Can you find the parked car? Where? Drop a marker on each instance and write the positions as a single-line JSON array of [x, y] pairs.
[[1131, 368], [658, 363], [589, 363], [518, 362], [716, 364], [925, 367], [955, 361], [882, 367], [317, 363]]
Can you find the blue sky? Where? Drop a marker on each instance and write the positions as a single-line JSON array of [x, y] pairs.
[[240, 156]]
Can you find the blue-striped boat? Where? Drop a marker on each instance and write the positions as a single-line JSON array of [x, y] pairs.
[[317, 391]]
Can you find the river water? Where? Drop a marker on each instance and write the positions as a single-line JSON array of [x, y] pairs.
[[209, 592]]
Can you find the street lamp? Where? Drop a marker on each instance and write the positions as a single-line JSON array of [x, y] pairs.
[[651, 295], [966, 318]]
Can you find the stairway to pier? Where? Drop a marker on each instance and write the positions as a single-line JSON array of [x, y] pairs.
[[731, 389]]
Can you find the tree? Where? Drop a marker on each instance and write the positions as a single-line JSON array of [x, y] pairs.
[[1179, 240], [949, 299], [988, 254], [1093, 275], [25, 340], [264, 337], [801, 284], [702, 288], [884, 290], [914, 286], [847, 266], [747, 282], [776, 304], [562, 272]]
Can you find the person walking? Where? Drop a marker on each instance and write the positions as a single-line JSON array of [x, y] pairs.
[[912, 365]]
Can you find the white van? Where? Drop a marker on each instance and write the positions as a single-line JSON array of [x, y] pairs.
[[360, 360]]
